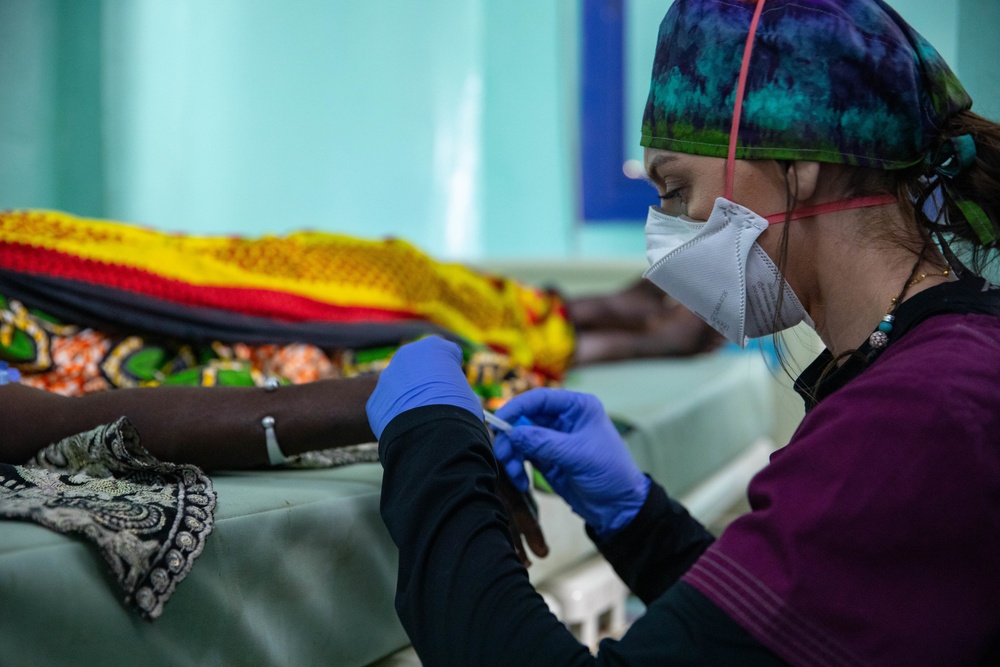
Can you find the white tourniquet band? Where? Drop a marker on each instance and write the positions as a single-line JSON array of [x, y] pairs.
[[274, 454]]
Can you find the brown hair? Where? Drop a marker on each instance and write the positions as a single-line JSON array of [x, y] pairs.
[[934, 209], [931, 211]]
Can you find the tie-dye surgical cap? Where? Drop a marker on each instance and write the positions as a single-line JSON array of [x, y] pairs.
[[844, 81]]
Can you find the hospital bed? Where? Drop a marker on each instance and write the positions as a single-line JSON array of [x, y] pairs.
[[300, 570]]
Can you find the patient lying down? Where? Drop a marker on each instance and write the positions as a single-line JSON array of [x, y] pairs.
[[104, 320], [188, 330]]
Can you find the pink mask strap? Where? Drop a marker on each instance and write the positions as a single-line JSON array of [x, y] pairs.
[[741, 85], [734, 131], [832, 207]]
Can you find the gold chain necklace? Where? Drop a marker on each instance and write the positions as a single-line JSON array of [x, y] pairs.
[[880, 337]]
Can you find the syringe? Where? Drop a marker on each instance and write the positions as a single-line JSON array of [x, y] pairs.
[[496, 422]]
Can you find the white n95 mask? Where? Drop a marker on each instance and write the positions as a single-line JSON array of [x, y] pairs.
[[717, 270]]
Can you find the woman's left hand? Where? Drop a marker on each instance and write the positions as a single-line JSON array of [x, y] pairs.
[[429, 372], [425, 372]]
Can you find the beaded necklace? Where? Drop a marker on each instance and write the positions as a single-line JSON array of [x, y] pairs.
[[880, 337]]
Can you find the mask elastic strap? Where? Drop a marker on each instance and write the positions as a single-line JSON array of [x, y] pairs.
[[738, 105], [734, 131], [832, 207]]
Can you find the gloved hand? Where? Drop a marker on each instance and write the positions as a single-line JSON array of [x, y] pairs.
[[425, 372], [573, 443]]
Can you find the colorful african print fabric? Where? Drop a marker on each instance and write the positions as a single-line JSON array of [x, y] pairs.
[[87, 305], [845, 81]]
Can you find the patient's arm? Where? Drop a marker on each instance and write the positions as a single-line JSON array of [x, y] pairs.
[[217, 427], [212, 427]]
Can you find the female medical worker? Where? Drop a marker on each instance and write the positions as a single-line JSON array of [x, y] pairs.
[[874, 535]]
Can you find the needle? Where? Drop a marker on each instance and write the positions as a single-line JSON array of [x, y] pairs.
[[496, 422]]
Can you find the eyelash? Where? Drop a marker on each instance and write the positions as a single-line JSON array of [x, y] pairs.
[[672, 194]]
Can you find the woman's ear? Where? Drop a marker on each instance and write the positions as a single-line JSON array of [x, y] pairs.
[[804, 178]]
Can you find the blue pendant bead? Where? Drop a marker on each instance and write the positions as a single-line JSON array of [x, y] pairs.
[[8, 375], [880, 337]]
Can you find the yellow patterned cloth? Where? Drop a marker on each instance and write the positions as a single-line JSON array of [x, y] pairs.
[[53, 264]]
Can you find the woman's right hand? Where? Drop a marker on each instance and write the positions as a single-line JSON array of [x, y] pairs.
[[569, 438]]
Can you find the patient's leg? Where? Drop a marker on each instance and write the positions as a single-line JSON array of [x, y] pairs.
[[631, 309], [638, 322]]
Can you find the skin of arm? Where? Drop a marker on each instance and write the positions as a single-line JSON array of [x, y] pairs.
[[212, 427], [219, 428]]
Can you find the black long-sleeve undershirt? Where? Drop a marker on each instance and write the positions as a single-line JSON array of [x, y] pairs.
[[465, 599]]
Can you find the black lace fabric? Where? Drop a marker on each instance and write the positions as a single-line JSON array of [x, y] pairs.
[[149, 519]]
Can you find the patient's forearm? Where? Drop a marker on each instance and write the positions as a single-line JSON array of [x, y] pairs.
[[213, 427]]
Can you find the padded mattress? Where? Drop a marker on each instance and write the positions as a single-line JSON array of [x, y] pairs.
[[298, 571]]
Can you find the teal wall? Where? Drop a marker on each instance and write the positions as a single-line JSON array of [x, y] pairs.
[[978, 61], [256, 116], [449, 122], [50, 149]]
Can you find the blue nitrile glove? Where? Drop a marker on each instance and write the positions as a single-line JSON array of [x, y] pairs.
[[573, 443], [426, 372]]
